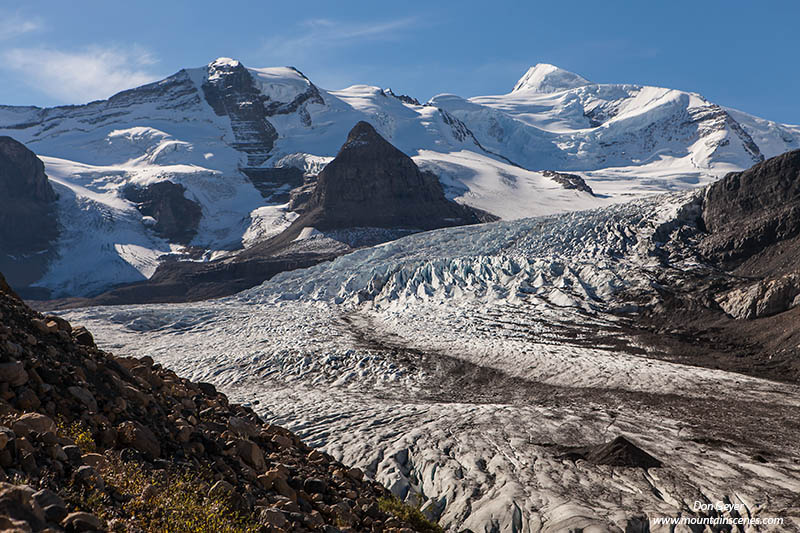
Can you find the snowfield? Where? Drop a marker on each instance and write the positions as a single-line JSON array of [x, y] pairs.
[[458, 365]]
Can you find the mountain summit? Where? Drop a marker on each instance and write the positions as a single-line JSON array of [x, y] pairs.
[[546, 78]]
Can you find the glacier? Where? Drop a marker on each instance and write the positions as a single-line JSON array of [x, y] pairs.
[[455, 366]]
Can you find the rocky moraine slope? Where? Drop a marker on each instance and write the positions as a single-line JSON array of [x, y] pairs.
[[92, 442]]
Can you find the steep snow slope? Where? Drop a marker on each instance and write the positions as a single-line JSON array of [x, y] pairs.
[[772, 138], [461, 364]]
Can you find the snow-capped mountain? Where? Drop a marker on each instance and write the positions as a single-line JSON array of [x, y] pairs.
[[236, 140], [625, 138]]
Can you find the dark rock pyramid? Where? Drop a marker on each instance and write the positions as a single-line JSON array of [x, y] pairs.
[[618, 452], [371, 183], [28, 217]]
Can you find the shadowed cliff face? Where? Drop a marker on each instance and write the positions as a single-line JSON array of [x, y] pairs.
[[176, 216], [28, 218], [371, 183], [748, 211], [230, 91]]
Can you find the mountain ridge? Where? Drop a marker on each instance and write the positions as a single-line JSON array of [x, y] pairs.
[[239, 140]]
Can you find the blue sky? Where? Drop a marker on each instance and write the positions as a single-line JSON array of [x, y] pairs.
[[738, 54]]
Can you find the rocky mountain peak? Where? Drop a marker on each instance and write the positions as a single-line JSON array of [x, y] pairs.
[[371, 183], [371, 175], [546, 78], [223, 62], [364, 135], [231, 91]]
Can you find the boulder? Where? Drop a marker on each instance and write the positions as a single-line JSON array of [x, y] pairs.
[[6, 436], [54, 507], [273, 517], [243, 427], [282, 441], [84, 396], [761, 299], [34, 422], [222, 490], [250, 452], [139, 437], [88, 476], [78, 522], [315, 486], [13, 373], [83, 337], [17, 502], [95, 460]]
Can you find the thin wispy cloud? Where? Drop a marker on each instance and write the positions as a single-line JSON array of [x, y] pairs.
[[14, 24], [313, 36], [81, 76]]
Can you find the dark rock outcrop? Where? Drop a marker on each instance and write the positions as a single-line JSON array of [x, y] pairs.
[[22, 174], [618, 452], [763, 298], [371, 183], [28, 215], [275, 184], [748, 211], [176, 216], [231, 91], [568, 181], [402, 97], [736, 303], [94, 442], [753, 220]]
